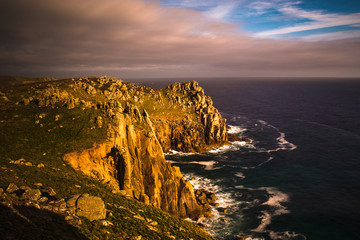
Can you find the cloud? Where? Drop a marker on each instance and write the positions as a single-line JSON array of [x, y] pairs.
[[211, 8], [221, 11], [133, 38], [260, 7], [318, 19]]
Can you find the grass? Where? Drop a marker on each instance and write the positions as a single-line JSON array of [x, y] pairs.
[[43, 141]]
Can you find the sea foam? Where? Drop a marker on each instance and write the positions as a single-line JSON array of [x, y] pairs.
[[233, 146], [276, 198], [281, 140], [224, 198], [236, 129], [209, 165]]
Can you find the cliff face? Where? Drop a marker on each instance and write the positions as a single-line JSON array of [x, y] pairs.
[[206, 129], [131, 159]]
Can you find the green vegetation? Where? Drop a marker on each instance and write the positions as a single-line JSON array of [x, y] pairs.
[[41, 135]]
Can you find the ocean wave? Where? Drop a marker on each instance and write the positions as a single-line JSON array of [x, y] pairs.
[[209, 165], [281, 140], [220, 224], [276, 198], [219, 220], [233, 146], [236, 129], [287, 235], [174, 152], [224, 199]]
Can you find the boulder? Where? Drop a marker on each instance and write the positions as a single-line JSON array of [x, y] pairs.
[[31, 194], [11, 188], [90, 207], [50, 191]]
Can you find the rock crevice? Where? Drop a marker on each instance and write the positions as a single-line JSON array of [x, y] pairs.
[[132, 161], [206, 129]]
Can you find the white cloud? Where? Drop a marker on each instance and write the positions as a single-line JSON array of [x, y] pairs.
[[221, 11], [260, 7], [318, 19]]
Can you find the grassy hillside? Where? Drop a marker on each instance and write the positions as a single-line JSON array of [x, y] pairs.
[[39, 136]]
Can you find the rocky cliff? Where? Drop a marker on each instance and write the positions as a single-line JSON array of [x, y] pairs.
[[197, 134], [141, 123]]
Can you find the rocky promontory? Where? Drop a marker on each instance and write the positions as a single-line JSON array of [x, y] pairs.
[[116, 133], [132, 160], [203, 129]]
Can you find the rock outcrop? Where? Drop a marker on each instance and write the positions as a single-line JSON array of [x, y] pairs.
[[84, 205], [91, 207], [206, 129], [141, 123], [132, 162]]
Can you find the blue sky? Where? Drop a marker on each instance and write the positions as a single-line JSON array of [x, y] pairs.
[[309, 20]]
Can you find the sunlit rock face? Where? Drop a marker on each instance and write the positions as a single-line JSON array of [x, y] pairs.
[[131, 158], [206, 128]]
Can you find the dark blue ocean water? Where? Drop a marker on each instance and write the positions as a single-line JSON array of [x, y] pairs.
[[300, 177]]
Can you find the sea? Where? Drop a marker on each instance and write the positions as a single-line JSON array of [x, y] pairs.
[[299, 178]]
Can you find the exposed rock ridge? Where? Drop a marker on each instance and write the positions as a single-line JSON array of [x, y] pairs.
[[132, 161], [192, 135]]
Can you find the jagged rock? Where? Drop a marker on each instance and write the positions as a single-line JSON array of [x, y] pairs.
[[50, 191], [174, 86], [40, 165], [43, 199], [11, 188], [99, 121], [131, 161], [71, 202], [60, 205], [189, 136], [133, 112], [137, 167], [31, 194], [90, 89]]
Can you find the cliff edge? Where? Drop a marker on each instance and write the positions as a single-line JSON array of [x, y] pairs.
[[135, 125]]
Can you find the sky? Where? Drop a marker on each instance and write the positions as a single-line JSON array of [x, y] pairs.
[[180, 38]]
